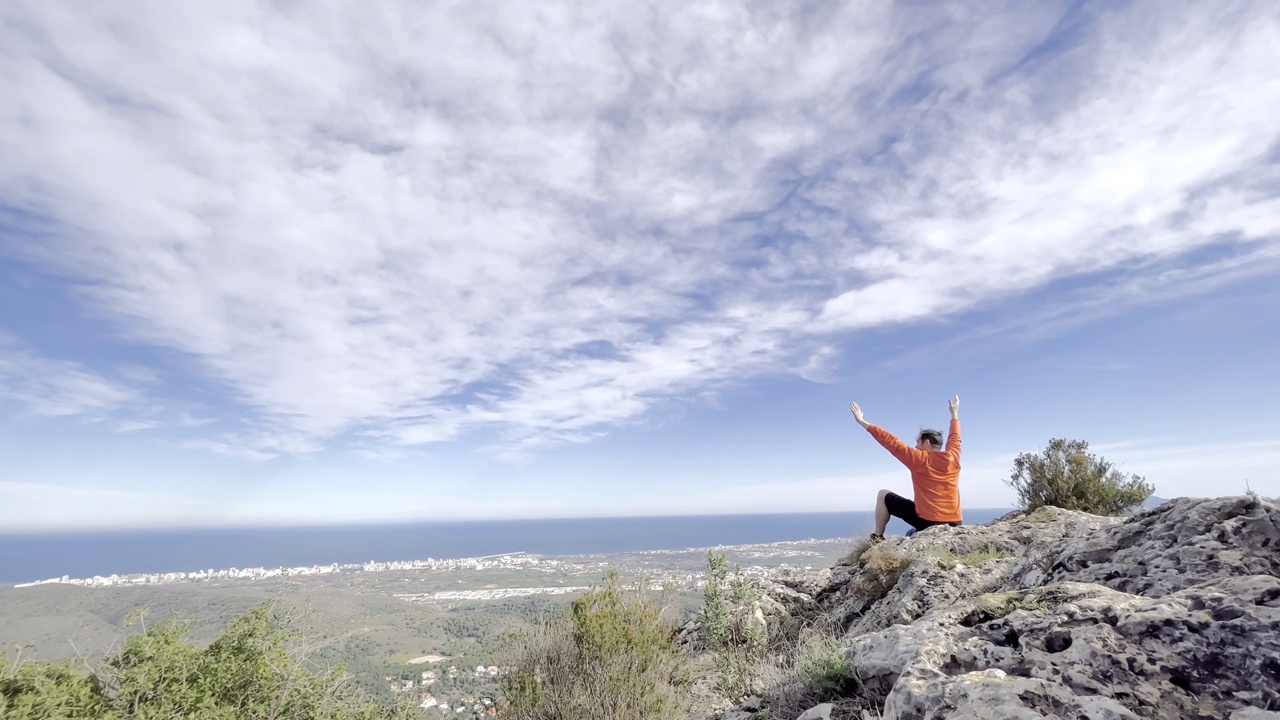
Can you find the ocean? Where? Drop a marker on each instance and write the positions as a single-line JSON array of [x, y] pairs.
[[31, 557]]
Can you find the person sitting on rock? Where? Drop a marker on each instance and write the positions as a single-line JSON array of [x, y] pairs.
[[935, 476]]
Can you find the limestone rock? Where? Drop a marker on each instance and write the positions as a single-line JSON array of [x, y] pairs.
[[1176, 545], [805, 582], [929, 583], [1173, 612], [1094, 651], [818, 712], [950, 564], [1254, 714]]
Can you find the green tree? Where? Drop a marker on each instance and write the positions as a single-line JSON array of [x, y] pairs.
[[1067, 475]]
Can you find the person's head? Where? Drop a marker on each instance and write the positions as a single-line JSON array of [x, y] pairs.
[[929, 440]]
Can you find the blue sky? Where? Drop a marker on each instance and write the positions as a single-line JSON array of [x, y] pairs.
[[302, 263]]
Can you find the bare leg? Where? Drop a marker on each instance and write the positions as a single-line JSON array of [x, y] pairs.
[[882, 513]]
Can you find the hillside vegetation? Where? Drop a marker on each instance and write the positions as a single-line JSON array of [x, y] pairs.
[[248, 672]]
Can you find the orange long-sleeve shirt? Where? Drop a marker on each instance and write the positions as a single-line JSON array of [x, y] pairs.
[[935, 474]]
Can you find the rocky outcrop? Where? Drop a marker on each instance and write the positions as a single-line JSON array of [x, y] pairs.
[[1171, 613], [1175, 546], [946, 565], [1083, 651]]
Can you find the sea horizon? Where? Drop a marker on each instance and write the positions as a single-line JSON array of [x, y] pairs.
[[34, 556]]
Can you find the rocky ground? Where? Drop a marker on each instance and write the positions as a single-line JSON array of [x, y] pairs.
[[1171, 613]]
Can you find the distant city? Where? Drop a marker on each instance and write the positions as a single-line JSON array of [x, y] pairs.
[[506, 560], [512, 560]]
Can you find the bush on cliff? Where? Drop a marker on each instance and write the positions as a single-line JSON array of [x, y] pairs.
[[1068, 476], [612, 656], [736, 638], [247, 672]]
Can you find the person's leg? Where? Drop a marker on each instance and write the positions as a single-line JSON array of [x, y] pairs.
[[882, 515]]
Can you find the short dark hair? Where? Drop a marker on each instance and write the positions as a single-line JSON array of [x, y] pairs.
[[933, 436]]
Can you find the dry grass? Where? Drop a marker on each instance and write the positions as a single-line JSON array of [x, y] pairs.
[[882, 567], [982, 555], [854, 556], [996, 606], [805, 667]]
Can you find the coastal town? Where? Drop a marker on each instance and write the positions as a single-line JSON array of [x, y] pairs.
[[504, 561], [679, 567]]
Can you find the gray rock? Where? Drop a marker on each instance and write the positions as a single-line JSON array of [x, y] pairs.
[[1172, 612], [929, 583], [938, 576], [817, 712], [1176, 545], [805, 582], [1086, 649], [1254, 714]]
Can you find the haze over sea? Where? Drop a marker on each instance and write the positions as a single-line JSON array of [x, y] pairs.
[[30, 557]]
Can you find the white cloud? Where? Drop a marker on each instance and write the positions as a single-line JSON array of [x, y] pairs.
[[413, 222], [821, 365], [1044, 318], [54, 388]]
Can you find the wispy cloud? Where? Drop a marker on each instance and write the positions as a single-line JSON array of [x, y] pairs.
[[410, 223], [1111, 295], [54, 388]]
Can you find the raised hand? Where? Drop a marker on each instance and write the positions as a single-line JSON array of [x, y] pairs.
[[955, 407], [857, 414]]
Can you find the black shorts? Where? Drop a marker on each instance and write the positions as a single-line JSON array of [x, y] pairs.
[[901, 507]]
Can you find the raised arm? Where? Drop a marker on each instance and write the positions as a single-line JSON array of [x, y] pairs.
[[909, 456], [953, 433]]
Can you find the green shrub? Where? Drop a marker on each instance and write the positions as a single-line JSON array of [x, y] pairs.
[[48, 690], [1066, 475], [612, 656], [811, 667], [248, 672], [737, 642], [726, 601], [716, 615], [828, 673]]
